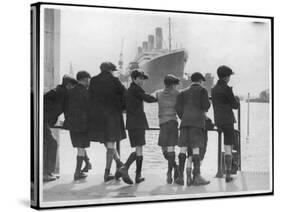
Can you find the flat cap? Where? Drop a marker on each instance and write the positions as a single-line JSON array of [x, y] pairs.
[[82, 74], [171, 79], [138, 73], [66, 79], [108, 66], [196, 76]]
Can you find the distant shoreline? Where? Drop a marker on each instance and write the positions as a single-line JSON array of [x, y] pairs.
[[257, 101]]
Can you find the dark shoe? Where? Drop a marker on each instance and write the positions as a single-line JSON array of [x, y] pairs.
[[169, 178], [118, 173], [228, 177], [55, 175], [48, 178], [179, 181], [107, 176], [199, 180], [139, 179], [87, 167], [125, 175], [79, 176], [188, 177]]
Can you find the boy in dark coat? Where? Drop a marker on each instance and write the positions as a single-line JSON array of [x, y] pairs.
[[106, 123], [223, 102], [136, 122], [168, 136], [192, 104], [76, 121], [54, 106]]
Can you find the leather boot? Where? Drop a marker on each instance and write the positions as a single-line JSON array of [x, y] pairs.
[[197, 178], [119, 164], [228, 163], [78, 174], [139, 178], [182, 158], [107, 176], [124, 169], [188, 177]]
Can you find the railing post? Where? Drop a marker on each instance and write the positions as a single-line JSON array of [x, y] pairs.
[[220, 171], [239, 137]]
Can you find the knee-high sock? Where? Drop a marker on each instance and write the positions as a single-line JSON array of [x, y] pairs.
[[196, 159], [228, 162], [139, 160], [182, 158], [171, 161], [131, 159], [79, 161], [117, 159], [109, 158]]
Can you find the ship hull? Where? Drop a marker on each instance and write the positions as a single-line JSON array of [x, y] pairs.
[[157, 68]]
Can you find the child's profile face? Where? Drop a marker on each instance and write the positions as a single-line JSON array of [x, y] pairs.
[[139, 81]]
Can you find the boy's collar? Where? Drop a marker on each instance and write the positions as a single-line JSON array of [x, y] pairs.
[[195, 83]]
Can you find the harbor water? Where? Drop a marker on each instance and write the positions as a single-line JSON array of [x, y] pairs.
[[255, 149]]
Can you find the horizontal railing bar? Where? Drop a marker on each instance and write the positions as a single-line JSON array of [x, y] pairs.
[[152, 128]]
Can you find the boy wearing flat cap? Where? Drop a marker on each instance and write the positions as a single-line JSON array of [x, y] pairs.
[[168, 136], [76, 121], [136, 122], [106, 124], [192, 104], [55, 103], [223, 102]]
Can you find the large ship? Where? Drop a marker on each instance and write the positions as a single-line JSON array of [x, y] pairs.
[[157, 61]]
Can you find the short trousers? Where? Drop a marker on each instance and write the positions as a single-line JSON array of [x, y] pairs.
[[137, 137], [169, 134], [228, 134], [79, 139], [192, 137]]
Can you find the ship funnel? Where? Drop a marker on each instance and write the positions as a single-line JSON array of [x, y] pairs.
[[158, 37], [144, 46], [139, 50], [150, 42]]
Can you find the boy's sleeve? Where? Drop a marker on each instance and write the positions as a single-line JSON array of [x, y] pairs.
[[205, 103], [231, 98], [145, 97], [179, 105]]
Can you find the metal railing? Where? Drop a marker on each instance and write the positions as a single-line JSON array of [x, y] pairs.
[[220, 171]]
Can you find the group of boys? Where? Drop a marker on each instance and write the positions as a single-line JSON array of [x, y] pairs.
[[94, 108]]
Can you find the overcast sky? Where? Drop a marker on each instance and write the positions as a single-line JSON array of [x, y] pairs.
[[94, 35]]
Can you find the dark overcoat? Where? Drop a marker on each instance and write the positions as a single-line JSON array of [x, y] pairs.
[[106, 122], [134, 98], [76, 116], [192, 103], [223, 102], [54, 104]]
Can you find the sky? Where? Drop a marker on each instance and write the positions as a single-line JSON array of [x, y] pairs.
[[91, 36]]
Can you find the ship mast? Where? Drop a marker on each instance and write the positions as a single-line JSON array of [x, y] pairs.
[[170, 37], [120, 62]]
